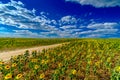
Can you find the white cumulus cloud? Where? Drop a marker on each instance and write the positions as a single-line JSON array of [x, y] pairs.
[[106, 25], [15, 14], [98, 3], [68, 27], [26, 33], [66, 20], [99, 29]]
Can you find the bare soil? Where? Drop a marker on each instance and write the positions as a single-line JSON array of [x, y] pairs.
[[5, 56]]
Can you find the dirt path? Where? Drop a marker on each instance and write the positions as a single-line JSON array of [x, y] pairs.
[[7, 55]]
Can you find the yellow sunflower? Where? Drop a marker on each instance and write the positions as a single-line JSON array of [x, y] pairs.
[[42, 76], [44, 61], [1, 62], [59, 64], [14, 65], [74, 71], [8, 76], [7, 67], [117, 69], [1, 68], [19, 76], [34, 60], [36, 66]]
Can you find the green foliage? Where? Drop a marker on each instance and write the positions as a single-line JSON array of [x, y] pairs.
[[85, 59], [17, 43]]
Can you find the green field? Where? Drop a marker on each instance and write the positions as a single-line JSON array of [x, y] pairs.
[[81, 59], [17, 43]]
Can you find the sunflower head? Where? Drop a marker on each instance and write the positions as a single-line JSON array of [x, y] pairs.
[[59, 64], [36, 66], [8, 76], [7, 67], [34, 60], [117, 69], [1, 62], [19, 76], [42, 76], [74, 71], [14, 65]]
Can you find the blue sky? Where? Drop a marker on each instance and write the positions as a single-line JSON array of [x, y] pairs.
[[60, 18]]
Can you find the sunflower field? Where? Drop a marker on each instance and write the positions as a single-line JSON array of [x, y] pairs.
[[86, 59], [7, 44]]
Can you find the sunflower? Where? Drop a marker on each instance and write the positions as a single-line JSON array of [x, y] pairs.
[[1, 62], [109, 59], [97, 64], [8, 76], [56, 71], [117, 69], [59, 64], [14, 65], [14, 57], [44, 61], [89, 62], [19, 76], [1, 68], [36, 66], [42, 76], [34, 60], [53, 60], [7, 67], [74, 71]]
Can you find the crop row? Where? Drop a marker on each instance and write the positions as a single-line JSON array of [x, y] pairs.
[[17, 43], [78, 60]]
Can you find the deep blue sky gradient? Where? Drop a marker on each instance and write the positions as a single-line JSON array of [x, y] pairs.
[[61, 8], [57, 9]]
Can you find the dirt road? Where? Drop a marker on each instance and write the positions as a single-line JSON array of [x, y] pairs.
[[7, 55]]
